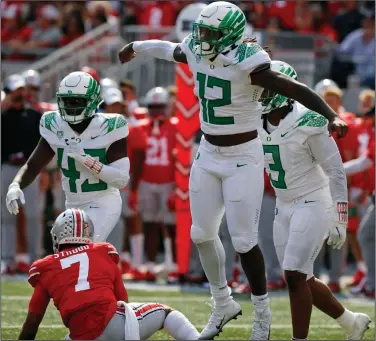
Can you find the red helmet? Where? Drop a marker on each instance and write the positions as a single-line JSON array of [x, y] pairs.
[[91, 72], [140, 113]]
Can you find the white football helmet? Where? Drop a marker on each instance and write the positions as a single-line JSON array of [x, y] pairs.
[[78, 97], [157, 101], [73, 226], [270, 100], [32, 78], [219, 27], [325, 84]]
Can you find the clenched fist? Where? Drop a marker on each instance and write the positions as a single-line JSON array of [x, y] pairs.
[[127, 53], [338, 126]]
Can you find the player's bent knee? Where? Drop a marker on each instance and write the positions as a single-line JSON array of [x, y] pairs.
[[294, 279], [199, 235], [242, 245]]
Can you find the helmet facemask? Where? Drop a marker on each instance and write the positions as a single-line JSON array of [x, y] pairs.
[[210, 40], [76, 107]]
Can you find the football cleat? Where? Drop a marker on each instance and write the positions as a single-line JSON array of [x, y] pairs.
[[261, 325], [359, 327], [219, 317]]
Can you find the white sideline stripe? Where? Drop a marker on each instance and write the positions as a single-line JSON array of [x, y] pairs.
[[136, 298], [235, 326]]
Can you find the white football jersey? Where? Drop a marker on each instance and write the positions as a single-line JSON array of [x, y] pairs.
[[292, 170], [228, 101], [79, 185]]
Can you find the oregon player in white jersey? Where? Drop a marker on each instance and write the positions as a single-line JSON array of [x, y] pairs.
[[227, 173], [306, 171], [91, 153]]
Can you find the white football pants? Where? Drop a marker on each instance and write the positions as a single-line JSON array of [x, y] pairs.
[[300, 227], [231, 179], [104, 211]]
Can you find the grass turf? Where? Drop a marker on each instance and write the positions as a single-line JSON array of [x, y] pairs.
[[15, 298]]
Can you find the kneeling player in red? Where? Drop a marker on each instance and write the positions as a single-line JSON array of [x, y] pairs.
[[85, 283]]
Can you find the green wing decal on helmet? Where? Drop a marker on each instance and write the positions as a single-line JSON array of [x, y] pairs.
[[269, 99]]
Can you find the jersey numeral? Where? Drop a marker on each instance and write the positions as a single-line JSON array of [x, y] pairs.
[[276, 166], [208, 105], [73, 174], [83, 273], [157, 152]]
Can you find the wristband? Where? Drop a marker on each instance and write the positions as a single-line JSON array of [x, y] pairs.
[[93, 165], [342, 212]]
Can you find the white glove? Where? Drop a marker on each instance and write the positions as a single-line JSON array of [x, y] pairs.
[[337, 232], [14, 194], [75, 151]]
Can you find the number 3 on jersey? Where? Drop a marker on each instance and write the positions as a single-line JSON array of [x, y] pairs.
[[73, 174], [276, 166], [208, 105], [83, 272]]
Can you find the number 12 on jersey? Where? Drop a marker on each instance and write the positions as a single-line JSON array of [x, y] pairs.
[[208, 105]]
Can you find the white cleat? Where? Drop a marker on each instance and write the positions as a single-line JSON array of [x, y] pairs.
[[359, 327], [219, 317], [261, 325]]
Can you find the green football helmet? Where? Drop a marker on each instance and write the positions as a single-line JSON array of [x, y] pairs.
[[269, 99], [219, 26], [78, 97]]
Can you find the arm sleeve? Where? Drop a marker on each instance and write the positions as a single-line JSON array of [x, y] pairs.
[[39, 301], [358, 165], [116, 173], [156, 48], [119, 288], [326, 154]]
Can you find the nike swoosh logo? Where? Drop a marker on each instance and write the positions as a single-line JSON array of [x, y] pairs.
[[220, 324], [308, 201], [282, 135], [241, 165], [93, 207], [94, 137]]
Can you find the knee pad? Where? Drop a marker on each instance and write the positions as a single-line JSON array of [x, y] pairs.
[[244, 245], [198, 235]]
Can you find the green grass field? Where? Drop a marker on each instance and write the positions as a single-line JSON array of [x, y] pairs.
[[15, 299]]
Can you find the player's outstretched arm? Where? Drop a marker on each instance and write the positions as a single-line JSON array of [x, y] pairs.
[[39, 159], [156, 48], [264, 77]]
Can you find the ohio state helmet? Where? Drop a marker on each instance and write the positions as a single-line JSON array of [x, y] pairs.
[[73, 226], [157, 101]]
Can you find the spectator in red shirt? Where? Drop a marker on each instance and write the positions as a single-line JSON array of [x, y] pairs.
[[14, 32], [73, 29]]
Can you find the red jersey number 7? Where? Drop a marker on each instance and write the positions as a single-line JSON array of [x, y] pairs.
[[83, 273]]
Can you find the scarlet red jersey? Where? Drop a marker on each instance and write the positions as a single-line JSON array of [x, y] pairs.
[[136, 140], [85, 284], [159, 165]]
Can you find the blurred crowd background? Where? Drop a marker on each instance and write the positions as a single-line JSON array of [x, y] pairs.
[[331, 44]]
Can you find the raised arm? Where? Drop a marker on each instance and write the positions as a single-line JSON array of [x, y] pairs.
[[156, 48], [264, 77]]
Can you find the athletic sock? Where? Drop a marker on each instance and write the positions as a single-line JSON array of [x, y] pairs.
[[212, 256], [168, 251], [137, 248], [346, 320], [179, 327], [261, 303]]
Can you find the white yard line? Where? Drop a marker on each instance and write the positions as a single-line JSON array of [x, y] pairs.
[[235, 326], [142, 298]]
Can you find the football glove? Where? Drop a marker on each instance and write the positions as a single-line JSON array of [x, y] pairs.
[[337, 232], [75, 151], [14, 193]]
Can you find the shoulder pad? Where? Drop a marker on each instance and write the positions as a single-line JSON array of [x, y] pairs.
[[50, 122], [187, 44], [115, 125], [251, 55], [108, 249], [312, 122], [36, 270]]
